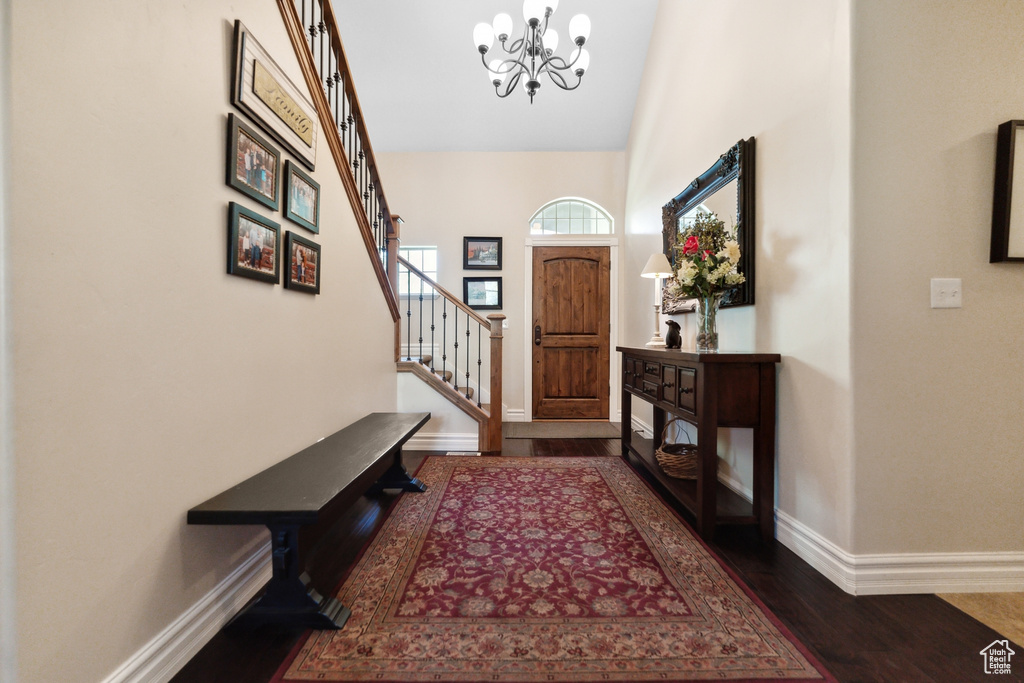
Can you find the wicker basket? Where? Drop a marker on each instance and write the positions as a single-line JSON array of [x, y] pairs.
[[677, 460]]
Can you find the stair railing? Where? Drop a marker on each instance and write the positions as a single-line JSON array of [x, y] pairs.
[[313, 30], [446, 336]]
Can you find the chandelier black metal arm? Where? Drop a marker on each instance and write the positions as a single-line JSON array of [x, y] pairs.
[[528, 56]]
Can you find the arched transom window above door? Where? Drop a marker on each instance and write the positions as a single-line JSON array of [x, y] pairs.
[[571, 216]]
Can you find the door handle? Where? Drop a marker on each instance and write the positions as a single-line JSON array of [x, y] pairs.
[[536, 335]]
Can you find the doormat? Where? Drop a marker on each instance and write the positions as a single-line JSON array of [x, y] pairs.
[[561, 430], [521, 570]]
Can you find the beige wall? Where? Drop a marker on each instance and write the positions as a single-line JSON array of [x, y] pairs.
[[146, 379], [777, 71], [939, 393], [445, 196]]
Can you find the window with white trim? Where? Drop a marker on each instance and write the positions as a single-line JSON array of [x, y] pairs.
[[423, 259], [571, 216]]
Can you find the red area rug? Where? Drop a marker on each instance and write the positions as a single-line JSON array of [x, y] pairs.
[[544, 569]]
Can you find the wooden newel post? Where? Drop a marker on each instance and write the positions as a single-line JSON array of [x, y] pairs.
[[491, 441], [394, 240]]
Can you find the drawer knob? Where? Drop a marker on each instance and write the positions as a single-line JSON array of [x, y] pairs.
[[686, 390]]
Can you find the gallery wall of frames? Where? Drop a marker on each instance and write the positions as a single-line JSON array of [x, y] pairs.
[[280, 117]]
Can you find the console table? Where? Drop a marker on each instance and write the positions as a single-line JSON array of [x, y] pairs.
[[707, 390]]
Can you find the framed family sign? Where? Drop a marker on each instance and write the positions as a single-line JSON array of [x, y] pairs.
[[265, 93]]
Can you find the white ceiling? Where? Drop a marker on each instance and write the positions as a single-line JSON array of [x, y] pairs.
[[422, 86]]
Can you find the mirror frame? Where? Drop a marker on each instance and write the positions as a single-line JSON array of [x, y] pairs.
[[1006, 226], [737, 163]]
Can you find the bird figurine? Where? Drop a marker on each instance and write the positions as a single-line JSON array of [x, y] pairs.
[[673, 340]]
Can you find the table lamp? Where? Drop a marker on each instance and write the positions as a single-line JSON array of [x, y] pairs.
[[657, 268]]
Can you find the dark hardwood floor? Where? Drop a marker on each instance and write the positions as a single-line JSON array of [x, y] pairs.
[[873, 638]]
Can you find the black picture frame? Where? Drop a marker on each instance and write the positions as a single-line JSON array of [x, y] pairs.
[[475, 293], [248, 157], [481, 253], [245, 225], [301, 198], [737, 163], [304, 262], [1007, 224]]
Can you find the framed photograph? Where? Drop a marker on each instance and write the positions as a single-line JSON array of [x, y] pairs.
[[482, 293], [481, 253], [253, 245], [303, 272], [264, 92], [301, 198], [254, 165]]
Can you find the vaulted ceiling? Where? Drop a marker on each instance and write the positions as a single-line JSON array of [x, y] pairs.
[[422, 86]]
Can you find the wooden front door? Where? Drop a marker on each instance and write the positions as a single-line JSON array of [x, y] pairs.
[[571, 329]]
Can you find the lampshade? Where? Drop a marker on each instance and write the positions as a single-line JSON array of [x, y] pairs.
[[579, 28], [657, 266], [550, 39], [483, 36], [502, 25]]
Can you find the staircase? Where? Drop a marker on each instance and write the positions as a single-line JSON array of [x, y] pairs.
[[456, 362], [442, 341]]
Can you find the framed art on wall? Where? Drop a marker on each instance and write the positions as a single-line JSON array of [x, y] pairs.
[[301, 198], [482, 293], [303, 272], [253, 245], [265, 93], [254, 165], [481, 253]]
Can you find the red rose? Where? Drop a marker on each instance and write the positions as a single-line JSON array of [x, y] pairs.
[[691, 247]]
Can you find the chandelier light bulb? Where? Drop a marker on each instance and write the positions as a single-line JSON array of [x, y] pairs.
[[550, 40], [483, 37], [579, 28], [533, 11], [497, 73], [552, 5], [502, 25], [580, 61]]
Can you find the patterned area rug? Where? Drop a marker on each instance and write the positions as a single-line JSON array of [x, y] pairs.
[[544, 569]]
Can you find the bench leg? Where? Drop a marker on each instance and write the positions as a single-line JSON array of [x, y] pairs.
[[397, 477], [288, 598]]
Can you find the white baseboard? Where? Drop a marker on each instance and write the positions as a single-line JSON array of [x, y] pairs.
[[886, 574], [515, 415], [443, 442], [161, 658]]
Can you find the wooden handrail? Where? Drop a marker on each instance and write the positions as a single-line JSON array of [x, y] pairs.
[[445, 293], [296, 33]]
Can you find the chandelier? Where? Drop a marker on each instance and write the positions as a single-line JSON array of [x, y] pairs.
[[534, 53]]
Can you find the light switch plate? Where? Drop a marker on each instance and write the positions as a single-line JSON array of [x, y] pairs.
[[947, 292]]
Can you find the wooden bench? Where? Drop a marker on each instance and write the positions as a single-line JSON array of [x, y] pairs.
[[309, 486]]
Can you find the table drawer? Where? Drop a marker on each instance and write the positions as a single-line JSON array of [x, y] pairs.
[[652, 370], [632, 373], [651, 389], [686, 394]]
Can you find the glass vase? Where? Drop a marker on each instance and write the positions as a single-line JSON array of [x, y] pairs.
[[707, 322]]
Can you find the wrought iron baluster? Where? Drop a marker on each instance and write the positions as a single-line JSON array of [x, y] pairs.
[[420, 281], [433, 303], [468, 321], [479, 362], [312, 30], [444, 339], [455, 353], [408, 314]]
